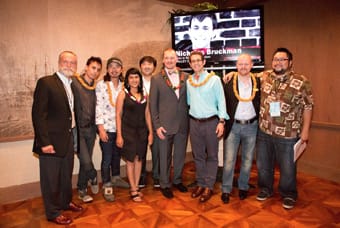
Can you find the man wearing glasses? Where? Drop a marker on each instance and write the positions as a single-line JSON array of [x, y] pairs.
[[285, 116]]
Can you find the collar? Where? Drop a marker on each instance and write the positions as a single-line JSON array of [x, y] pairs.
[[64, 79]]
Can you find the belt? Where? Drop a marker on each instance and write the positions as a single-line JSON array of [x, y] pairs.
[[204, 119], [246, 121]]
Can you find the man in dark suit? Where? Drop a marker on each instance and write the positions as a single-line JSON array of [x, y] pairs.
[[54, 128], [169, 113], [242, 94]]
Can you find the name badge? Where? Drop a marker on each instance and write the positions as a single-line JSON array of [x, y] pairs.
[[274, 109]]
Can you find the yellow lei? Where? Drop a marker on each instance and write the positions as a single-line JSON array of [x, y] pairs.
[[110, 93], [237, 95], [201, 83], [81, 81]]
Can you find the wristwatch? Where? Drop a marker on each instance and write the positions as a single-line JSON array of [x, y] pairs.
[[222, 121]]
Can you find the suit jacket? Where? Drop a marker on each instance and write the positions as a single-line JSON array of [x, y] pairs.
[[51, 116], [166, 109], [232, 102]]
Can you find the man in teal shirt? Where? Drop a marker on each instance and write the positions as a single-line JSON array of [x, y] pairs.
[[208, 113]]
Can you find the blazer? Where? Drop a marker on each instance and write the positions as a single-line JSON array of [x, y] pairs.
[[232, 102], [166, 109], [51, 116]]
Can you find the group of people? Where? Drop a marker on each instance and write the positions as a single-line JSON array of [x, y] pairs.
[[270, 110]]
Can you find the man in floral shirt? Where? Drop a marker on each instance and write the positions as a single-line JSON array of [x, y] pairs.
[[107, 91], [285, 117]]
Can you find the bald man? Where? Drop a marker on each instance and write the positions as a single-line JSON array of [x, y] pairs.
[[242, 94]]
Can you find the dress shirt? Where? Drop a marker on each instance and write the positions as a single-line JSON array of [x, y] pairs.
[[174, 79], [245, 110], [207, 100], [146, 85], [67, 85]]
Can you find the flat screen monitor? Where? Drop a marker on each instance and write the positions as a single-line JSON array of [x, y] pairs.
[[222, 35]]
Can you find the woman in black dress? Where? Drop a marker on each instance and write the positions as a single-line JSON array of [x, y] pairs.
[[134, 131]]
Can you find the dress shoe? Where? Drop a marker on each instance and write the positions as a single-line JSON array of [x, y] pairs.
[[242, 194], [197, 192], [167, 193], [74, 207], [206, 195], [181, 187], [225, 197], [61, 220]]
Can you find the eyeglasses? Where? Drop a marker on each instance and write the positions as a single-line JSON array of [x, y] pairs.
[[196, 61], [280, 60]]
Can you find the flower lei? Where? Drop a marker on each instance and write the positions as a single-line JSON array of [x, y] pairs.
[[168, 82], [201, 83], [237, 95], [134, 98], [110, 93], [82, 82]]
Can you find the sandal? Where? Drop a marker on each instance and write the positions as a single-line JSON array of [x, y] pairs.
[[136, 197], [139, 192]]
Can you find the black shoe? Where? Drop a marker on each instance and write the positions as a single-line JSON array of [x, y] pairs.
[[242, 194], [288, 203], [167, 192], [181, 187], [156, 183], [263, 195], [225, 197]]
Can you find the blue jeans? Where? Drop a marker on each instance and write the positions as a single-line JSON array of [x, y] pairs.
[[110, 158], [87, 137], [281, 150], [244, 134]]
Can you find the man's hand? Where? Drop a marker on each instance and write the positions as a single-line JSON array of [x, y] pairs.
[[49, 149], [103, 136], [227, 77], [219, 130], [160, 132]]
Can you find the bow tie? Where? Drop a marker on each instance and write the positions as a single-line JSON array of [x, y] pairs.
[[172, 72]]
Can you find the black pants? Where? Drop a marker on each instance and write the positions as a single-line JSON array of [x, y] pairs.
[[56, 182]]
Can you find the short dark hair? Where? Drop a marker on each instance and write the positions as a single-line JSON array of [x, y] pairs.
[[148, 59], [285, 50], [196, 53], [201, 17], [94, 59], [126, 79]]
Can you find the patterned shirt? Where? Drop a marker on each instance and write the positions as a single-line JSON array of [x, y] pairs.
[[294, 93], [105, 112]]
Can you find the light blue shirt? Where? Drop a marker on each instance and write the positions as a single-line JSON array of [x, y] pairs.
[[207, 100]]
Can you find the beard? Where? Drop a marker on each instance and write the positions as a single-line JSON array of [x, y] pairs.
[[280, 72], [67, 72]]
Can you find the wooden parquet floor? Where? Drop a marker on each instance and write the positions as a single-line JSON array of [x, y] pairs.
[[318, 206]]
